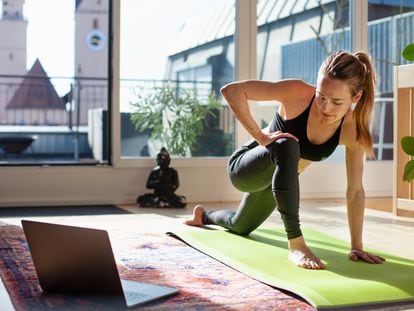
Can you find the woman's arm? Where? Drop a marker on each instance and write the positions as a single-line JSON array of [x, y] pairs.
[[239, 93], [355, 197]]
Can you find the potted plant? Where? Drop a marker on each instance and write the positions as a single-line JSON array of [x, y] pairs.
[[175, 119]]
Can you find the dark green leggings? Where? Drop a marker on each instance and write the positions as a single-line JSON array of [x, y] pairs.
[[268, 176]]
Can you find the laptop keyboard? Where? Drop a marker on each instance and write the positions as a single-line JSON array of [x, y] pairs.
[[133, 296]]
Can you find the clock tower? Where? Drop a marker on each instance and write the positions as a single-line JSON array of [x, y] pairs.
[[91, 38], [91, 55], [13, 47]]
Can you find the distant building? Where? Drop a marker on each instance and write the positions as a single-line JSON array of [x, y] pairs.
[[12, 47], [36, 102], [28, 97], [91, 56], [12, 51]]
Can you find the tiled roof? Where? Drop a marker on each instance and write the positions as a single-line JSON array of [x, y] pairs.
[[36, 91]]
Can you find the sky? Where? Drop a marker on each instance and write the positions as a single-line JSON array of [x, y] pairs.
[[148, 28], [53, 45], [150, 31]]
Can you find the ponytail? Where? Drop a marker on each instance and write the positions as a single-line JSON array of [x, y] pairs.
[[357, 71], [363, 110]]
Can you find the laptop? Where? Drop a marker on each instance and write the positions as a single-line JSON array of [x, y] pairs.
[[79, 261]]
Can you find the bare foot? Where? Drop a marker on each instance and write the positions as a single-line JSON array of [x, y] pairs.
[[302, 256], [197, 217]]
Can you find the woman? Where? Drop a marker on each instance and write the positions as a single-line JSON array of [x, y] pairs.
[[310, 123]]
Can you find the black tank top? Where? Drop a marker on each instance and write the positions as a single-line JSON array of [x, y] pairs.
[[298, 127]]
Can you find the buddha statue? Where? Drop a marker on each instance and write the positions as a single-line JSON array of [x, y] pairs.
[[164, 181]]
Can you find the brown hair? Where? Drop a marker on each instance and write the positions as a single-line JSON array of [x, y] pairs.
[[357, 72]]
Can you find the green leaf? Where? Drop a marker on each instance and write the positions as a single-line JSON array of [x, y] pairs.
[[408, 52], [175, 116], [409, 171], [407, 144]]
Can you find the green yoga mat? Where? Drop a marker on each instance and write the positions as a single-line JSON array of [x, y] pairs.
[[263, 255]]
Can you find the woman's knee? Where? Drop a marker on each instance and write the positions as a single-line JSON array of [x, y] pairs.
[[285, 149], [251, 171]]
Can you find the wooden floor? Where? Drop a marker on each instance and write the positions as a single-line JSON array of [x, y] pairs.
[[382, 229], [379, 204]]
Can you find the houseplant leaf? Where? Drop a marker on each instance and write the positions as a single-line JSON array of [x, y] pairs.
[[408, 52], [409, 171], [175, 117], [407, 144]]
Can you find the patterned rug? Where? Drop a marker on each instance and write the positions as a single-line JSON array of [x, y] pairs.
[[204, 283]]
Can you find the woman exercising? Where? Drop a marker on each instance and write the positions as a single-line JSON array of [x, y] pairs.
[[310, 123]]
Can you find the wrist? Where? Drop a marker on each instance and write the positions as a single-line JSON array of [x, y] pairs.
[[255, 131], [259, 136]]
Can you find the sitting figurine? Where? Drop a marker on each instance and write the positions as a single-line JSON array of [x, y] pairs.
[[164, 180]]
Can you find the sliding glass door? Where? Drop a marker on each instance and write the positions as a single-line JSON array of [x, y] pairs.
[[54, 82]]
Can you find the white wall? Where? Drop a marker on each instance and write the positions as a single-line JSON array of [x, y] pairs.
[[203, 180]]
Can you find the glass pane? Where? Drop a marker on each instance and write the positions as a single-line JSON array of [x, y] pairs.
[[390, 29], [294, 37], [172, 68], [53, 81]]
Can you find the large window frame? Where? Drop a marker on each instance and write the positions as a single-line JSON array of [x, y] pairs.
[[201, 179], [245, 68]]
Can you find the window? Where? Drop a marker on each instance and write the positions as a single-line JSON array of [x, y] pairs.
[[202, 179], [390, 29], [54, 82], [190, 51], [293, 39]]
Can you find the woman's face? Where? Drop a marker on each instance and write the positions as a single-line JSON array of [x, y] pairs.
[[333, 99]]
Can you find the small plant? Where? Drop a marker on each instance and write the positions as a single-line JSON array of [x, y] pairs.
[[176, 120], [407, 142], [408, 52]]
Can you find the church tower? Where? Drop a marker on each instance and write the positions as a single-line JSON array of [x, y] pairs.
[[13, 29], [91, 38], [91, 56]]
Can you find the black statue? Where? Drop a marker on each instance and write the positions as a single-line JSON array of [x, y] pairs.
[[164, 180]]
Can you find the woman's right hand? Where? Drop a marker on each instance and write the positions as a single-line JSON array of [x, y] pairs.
[[269, 137]]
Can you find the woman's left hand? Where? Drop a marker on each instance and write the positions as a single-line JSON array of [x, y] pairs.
[[356, 255]]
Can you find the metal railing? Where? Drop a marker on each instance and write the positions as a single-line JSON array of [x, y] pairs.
[[36, 101], [62, 117]]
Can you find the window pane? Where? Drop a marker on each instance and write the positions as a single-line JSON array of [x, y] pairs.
[[53, 84], [171, 65], [390, 29], [294, 37]]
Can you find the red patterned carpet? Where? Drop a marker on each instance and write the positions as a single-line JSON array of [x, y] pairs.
[[204, 283]]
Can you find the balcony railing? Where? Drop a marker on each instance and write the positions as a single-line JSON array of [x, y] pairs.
[[68, 122]]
